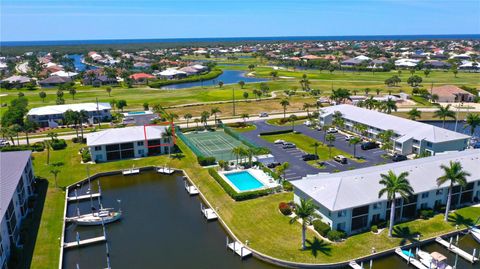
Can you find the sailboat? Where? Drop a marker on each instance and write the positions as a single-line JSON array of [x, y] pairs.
[[102, 216], [433, 260]]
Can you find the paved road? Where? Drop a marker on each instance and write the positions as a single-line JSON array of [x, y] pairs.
[[299, 168]]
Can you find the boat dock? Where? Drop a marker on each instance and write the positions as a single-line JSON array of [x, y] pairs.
[[165, 170], [410, 260], [467, 256], [208, 213], [238, 248], [84, 242], [83, 197], [354, 265], [130, 172], [192, 190]]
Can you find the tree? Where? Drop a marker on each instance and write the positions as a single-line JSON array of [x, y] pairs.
[[55, 171], [340, 95], [204, 118], [414, 80], [72, 92], [187, 117], [389, 105], [394, 185], [274, 74], [241, 83], [426, 72], [214, 111], [220, 84], [245, 116], [245, 95], [72, 117], [292, 118], [306, 107], [121, 104], [454, 174], [330, 138], [282, 169], [305, 211], [28, 127], [366, 90], [52, 135], [472, 120], [251, 67], [9, 132], [42, 95], [196, 120], [455, 70], [444, 112], [284, 103], [109, 91], [354, 141], [145, 106], [315, 146], [378, 91], [236, 152], [59, 94], [82, 117], [414, 113]]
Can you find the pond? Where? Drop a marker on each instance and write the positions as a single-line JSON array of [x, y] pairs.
[[77, 62], [162, 227], [227, 77]]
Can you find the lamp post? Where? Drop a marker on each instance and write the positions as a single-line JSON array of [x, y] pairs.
[[233, 99]]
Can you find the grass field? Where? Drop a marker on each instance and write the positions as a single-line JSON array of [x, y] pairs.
[[217, 144], [256, 220]]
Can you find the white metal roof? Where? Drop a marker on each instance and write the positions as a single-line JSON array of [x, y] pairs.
[[401, 126], [60, 109], [359, 187], [124, 135]]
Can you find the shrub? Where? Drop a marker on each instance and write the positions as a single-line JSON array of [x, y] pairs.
[[38, 146], [321, 227], [86, 157], [58, 144], [374, 229], [79, 140], [287, 186], [426, 213], [276, 132], [335, 235], [285, 208], [230, 191], [206, 161]]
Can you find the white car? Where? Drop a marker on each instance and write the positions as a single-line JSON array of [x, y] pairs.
[[279, 142], [307, 123], [263, 115], [332, 130], [348, 137]]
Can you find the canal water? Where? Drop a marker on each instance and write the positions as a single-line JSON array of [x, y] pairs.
[[450, 125], [162, 227], [77, 62], [227, 77]]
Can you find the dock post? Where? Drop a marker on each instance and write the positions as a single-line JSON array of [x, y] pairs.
[[227, 241], [456, 240], [473, 255], [409, 255], [241, 253], [450, 243], [371, 264], [456, 261], [78, 238], [361, 264]]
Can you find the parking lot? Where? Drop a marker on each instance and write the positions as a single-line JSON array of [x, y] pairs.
[[298, 167]]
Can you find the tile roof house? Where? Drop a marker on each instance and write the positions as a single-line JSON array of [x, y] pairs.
[[54, 81], [452, 94]]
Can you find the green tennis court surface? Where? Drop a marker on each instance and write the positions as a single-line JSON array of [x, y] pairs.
[[217, 144]]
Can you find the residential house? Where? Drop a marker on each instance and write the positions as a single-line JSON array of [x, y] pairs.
[[452, 94]]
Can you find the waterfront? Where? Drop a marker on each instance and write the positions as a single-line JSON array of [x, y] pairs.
[[77, 62], [227, 77]]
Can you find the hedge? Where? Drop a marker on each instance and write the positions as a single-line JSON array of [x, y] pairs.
[[234, 194], [210, 75], [321, 227], [206, 161], [335, 235], [38, 146], [58, 144], [276, 132]]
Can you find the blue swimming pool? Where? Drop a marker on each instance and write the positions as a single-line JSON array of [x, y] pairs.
[[244, 181], [136, 113]]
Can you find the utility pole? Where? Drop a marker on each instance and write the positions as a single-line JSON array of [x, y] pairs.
[[233, 98]]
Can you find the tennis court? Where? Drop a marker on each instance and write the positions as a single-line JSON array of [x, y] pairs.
[[217, 144]]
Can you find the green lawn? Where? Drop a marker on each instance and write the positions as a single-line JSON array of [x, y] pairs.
[[305, 143], [248, 128], [257, 220]]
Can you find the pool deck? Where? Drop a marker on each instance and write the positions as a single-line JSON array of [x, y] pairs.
[[266, 180]]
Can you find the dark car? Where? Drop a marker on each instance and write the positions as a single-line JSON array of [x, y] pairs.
[[273, 165], [369, 145], [399, 158], [309, 157]]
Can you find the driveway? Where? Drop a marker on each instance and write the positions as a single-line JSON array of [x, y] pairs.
[[298, 167]]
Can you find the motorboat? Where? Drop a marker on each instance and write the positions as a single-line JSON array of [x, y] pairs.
[[475, 233], [102, 216], [433, 260]]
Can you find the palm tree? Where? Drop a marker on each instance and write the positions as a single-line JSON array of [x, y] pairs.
[[304, 211], [306, 107], [361, 128], [52, 135], [281, 170], [292, 118], [196, 120], [236, 151], [82, 116], [354, 141], [55, 171], [72, 92], [284, 103], [443, 113], [330, 139], [414, 113], [187, 117], [472, 120], [214, 112], [245, 116], [315, 146], [204, 118], [394, 185], [8, 132], [168, 133], [250, 153], [109, 91], [42, 95], [389, 105], [28, 127], [455, 174], [370, 103]]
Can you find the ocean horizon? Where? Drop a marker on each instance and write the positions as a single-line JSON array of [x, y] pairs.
[[234, 39]]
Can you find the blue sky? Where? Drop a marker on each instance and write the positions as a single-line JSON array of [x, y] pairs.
[[23, 20]]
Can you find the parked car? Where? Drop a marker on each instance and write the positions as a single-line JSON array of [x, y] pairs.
[[341, 159], [279, 142], [309, 157], [273, 165], [332, 130], [399, 158], [4, 143], [307, 123], [369, 145], [348, 137], [263, 115], [288, 145]]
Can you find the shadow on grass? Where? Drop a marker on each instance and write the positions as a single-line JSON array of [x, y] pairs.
[[405, 234], [31, 224], [317, 245], [460, 220], [177, 156]]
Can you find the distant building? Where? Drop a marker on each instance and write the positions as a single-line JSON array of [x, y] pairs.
[[411, 137], [141, 78], [349, 201], [452, 94], [98, 80], [129, 142], [53, 116], [16, 187], [20, 80], [54, 81]]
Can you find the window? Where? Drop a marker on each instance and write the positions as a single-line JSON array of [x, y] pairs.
[[141, 152], [342, 213], [424, 206], [362, 210], [140, 143], [377, 205], [98, 148], [425, 195], [429, 144], [440, 192], [99, 157]]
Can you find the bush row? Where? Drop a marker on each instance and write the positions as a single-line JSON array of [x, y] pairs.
[[210, 75], [235, 195], [38, 146], [206, 161], [58, 144], [276, 132], [321, 227]]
